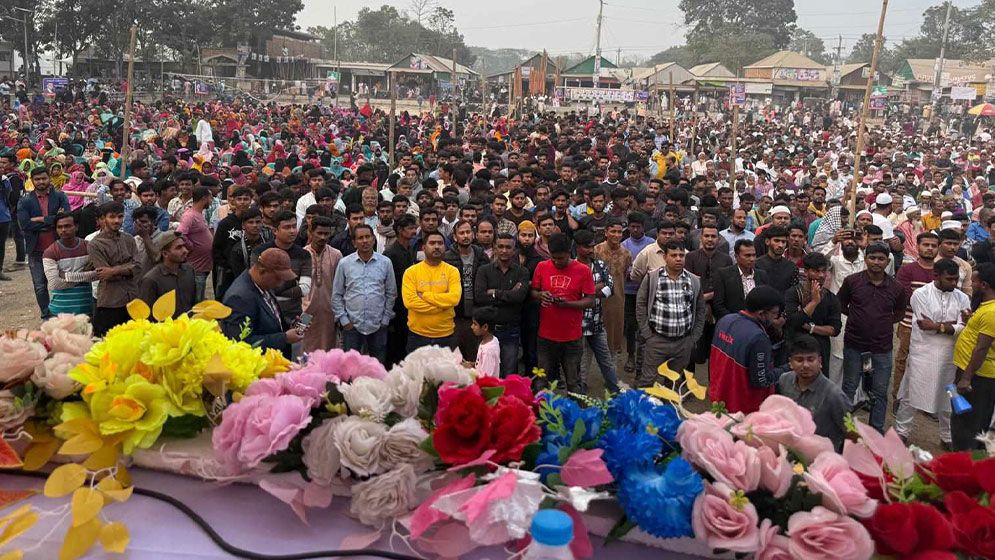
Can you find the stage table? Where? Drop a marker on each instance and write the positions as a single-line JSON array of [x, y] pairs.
[[244, 515]]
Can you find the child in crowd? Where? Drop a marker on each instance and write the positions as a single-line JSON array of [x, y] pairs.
[[806, 385], [489, 351]]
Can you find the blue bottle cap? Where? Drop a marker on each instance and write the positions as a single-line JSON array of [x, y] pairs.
[[552, 527]]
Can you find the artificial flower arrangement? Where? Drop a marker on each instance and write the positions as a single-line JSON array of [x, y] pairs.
[[117, 395], [931, 507], [35, 369]]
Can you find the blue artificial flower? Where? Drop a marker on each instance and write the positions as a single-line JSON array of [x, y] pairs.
[[627, 449], [624, 410], [662, 417], [660, 503], [549, 454], [590, 416]]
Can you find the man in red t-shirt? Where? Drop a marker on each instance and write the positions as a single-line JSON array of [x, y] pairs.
[[564, 288]]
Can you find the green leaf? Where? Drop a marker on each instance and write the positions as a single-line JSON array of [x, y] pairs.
[[563, 454], [492, 394], [428, 446], [184, 427], [620, 530], [530, 455], [428, 405], [554, 480], [578, 433]]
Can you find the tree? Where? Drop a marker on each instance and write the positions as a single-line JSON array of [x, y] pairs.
[[238, 21], [716, 19], [387, 35], [734, 49], [806, 42], [681, 54], [80, 22], [420, 9]]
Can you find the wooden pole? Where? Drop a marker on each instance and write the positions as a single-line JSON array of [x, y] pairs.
[[673, 108], [393, 109], [126, 126], [732, 143], [455, 110], [859, 144]]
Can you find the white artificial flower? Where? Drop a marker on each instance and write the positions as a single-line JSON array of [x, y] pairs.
[[367, 397]]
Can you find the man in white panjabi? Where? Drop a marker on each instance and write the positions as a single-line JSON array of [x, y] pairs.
[[938, 310]]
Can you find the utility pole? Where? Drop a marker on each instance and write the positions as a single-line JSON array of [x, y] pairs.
[[618, 57], [56, 42], [126, 126], [838, 66], [937, 91], [455, 109], [393, 110], [597, 50], [673, 108], [859, 145]]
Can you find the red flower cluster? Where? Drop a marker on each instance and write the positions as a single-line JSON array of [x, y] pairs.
[[466, 425], [922, 531]]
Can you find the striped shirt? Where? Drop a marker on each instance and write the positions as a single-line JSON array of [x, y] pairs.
[[69, 275]]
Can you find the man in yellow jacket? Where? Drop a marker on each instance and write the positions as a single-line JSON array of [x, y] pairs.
[[431, 291]]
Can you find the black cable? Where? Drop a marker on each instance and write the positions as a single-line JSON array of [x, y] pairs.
[[234, 550]]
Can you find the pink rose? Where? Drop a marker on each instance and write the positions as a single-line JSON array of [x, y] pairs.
[[722, 525], [308, 384], [52, 376], [270, 387], [75, 324], [776, 471], [732, 462], [780, 421], [821, 533], [706, 420], [20, 358], [841, 489], [258, 426], [61, 340], [773, 545], [338, 366]]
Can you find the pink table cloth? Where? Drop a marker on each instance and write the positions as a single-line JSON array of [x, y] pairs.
[[245, 516]]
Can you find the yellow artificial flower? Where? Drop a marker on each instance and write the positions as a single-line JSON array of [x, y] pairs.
[[245, 364], [276, 363], [183, 380], [133, 407], [170, 341], [95, 377]]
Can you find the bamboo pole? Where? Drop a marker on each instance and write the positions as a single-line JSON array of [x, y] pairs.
[[391, 79], [126, 126], [673, 108], [859, 144]]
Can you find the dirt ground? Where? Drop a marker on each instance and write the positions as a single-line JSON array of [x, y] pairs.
[[18, 309]]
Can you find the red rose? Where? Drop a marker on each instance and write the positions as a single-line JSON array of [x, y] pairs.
[[514, 386], [903, 529], [953, 472], [463, 426], [984, 474], [974, 525], [514, 429]]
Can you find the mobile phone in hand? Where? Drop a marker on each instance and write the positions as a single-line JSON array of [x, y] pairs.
[[302, 324]]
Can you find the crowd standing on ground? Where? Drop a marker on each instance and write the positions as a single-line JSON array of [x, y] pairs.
[[537, 245]]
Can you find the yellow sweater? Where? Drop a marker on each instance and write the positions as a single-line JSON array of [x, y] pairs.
[[431, 314]]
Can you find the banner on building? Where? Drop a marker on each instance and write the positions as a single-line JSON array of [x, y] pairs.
[[963, 93], [800, 74], [609, 95]]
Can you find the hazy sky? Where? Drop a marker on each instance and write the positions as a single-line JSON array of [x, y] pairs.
[[638, 27]]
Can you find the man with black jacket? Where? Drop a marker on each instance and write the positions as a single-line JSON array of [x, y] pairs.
[[227, 234], [504, 284], [733, 283], [402, 255], [467, 258]]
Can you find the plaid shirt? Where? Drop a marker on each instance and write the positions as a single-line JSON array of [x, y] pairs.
[[592, 315], [673, 307]]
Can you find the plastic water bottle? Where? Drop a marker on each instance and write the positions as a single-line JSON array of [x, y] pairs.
[[958, 404], [552, 531]]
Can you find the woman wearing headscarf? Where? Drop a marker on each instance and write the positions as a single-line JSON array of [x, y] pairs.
[[77, 183]]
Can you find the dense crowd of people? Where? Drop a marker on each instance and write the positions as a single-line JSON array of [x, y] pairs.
[[537, 245]]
